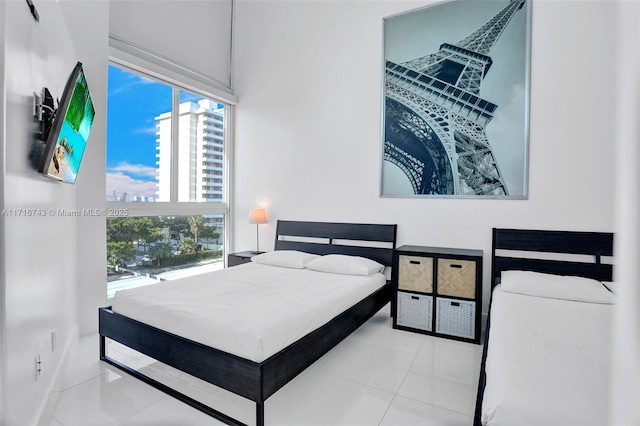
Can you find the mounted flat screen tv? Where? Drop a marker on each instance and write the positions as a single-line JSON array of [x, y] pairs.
[[67, 138]]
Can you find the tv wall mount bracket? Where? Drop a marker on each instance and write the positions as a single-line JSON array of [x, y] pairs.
[[44, 111]]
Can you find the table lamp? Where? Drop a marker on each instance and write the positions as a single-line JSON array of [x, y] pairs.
[[258, 216]]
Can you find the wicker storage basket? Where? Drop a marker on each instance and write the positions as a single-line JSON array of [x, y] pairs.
[[457, 278], [415, 273]]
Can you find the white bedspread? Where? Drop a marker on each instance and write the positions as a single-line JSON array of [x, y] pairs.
[[250, 310], [547, 362]]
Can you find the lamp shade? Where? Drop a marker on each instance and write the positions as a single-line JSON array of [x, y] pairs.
[[258, 216]]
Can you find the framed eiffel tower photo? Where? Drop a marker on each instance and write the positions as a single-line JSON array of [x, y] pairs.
[[455, 113]]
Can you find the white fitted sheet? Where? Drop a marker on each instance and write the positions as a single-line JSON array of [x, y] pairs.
[[250, 310], [547, 362]]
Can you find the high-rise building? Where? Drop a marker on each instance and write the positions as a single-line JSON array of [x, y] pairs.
[[200, 152]]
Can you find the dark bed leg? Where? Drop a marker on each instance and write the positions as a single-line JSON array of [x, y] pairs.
[[102, 347], [260, 413]]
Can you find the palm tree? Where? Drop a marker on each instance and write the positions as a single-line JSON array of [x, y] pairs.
[[160, 251], [196, 223], [188, 246]]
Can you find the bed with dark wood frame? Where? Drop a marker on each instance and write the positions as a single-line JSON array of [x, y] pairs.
[[257, 381], [522, 246]]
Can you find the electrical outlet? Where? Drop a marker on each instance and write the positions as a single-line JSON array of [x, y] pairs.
[[53, 340], [38, 366]]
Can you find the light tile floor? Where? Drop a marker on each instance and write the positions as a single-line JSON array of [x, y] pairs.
[[377, 376]]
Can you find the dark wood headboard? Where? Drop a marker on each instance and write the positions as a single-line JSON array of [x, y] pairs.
[[373, 241], [595, 244]]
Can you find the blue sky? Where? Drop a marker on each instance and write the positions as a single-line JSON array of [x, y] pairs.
[[133, 102]]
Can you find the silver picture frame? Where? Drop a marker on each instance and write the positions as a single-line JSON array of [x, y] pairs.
[[455, 107]]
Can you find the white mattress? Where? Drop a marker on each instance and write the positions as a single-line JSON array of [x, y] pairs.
[[547, 362], [250, 310]]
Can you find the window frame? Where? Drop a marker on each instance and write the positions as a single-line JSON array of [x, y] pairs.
[[174, 207]]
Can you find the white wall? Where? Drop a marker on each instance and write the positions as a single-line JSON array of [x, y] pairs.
[[625, 397], [3, 136], [308, 78], [88, 27], [40, 257]]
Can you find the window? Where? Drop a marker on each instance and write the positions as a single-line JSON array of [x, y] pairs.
[[166, 180]]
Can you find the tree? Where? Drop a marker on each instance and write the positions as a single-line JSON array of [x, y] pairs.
[[123, 231], [160, 251], [175, 224], [119, 252], [196, 224], [188, 246], [209, 233], [133, 228]]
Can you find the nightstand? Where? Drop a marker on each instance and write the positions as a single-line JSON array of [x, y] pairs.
[[438, 291], [241, 257]]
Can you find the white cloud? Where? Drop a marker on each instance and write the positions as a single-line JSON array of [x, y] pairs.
[[149, 130], [127, 81], [121, 183], [134, 169]]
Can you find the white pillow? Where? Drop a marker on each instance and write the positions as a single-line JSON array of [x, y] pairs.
[[556, 286], [285, 258], [343, 264]]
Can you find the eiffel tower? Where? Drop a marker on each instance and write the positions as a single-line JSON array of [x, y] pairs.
[[435, 119]]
